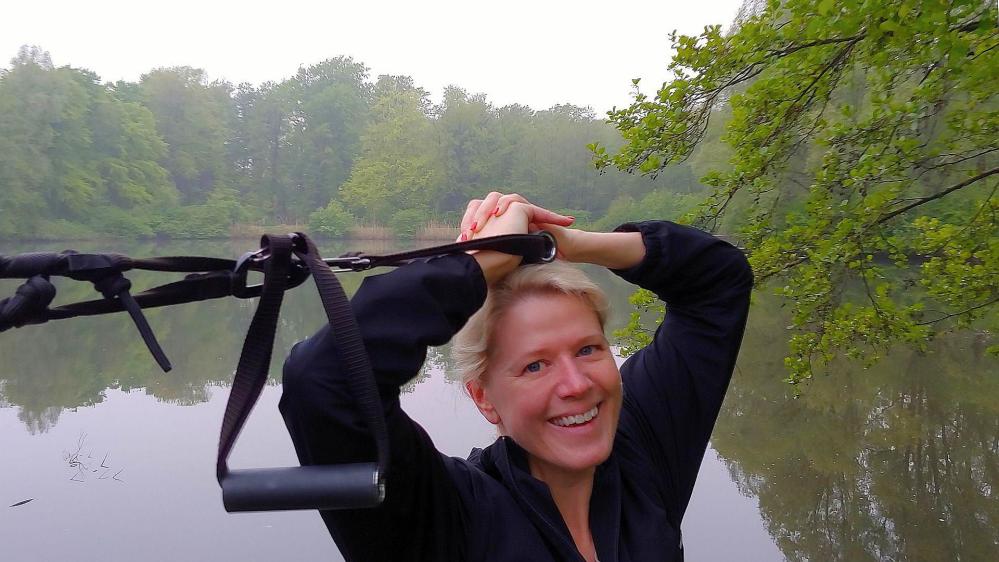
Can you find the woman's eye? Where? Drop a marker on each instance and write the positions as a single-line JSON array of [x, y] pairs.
[[533, 367], [587, 350]]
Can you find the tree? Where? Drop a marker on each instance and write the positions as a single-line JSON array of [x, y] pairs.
[[887, 111], [264, 162], [396, 169], [468, 143], [193, 117], [70, 147], [333, 100]]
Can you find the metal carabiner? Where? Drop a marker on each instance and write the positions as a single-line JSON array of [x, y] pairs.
[[238, 281]]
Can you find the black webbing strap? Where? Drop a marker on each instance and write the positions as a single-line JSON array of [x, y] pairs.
[[538, 247], [30, 303], [311, 487]]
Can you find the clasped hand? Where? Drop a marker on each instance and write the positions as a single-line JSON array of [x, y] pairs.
[[511, 213]]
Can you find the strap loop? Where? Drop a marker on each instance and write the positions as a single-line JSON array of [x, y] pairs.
[[30, 299]]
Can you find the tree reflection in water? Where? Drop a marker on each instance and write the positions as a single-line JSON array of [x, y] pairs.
[[900, 462]]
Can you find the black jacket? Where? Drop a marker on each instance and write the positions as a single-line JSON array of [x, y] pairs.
[[489, 507]]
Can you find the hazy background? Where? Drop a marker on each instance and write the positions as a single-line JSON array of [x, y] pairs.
[[532, 53]]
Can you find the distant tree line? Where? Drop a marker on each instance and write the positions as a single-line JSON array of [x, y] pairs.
[[178, 155]]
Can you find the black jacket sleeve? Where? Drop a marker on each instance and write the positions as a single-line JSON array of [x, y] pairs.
[[399, 314], [674, 387]]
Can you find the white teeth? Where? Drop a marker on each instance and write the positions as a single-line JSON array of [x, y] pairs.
[[576, 420]]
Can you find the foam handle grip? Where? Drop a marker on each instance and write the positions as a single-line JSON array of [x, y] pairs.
[[342, 486]]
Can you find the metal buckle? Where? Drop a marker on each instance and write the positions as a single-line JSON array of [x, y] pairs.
[[239, 287], [348, 264]]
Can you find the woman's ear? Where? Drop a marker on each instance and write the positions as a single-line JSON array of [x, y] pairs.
[[478, 394]]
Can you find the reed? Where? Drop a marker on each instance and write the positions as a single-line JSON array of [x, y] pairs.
[[437, 230], [246, 230], [371, 232]]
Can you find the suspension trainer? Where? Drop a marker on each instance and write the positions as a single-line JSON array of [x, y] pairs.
[[286, 261]]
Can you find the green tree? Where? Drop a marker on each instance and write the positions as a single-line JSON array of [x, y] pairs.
[[863, 140], [333, 100], [75, 149], [264, 158], [28, 109], [194, 117], [397, 167], [467, 140]]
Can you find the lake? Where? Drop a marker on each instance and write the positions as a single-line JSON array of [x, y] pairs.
[[896, 462]]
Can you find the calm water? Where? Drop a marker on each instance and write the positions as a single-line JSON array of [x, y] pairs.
[[900, 462]]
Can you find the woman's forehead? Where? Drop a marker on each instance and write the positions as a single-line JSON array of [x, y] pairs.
[[540, 320]]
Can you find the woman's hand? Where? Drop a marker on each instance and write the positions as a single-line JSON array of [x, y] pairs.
[[512, 214], [480, 212]]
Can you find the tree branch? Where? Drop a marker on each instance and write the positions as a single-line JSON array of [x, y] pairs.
[[951, 162], [833, 40], [923, 200], [965, 311]]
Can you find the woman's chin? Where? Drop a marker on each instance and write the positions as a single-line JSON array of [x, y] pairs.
[[572, 459]]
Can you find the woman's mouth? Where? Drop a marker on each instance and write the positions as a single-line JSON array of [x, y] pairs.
[[578, 419]]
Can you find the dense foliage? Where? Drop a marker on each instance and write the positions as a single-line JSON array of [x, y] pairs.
[[179, 155], [864, 148]]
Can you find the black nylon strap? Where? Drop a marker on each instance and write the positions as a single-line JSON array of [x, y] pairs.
[[348, 338], [31, 299], [251, 373], [533, 248], [255, 359]]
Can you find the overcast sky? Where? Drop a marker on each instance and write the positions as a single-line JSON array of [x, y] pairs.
[[537, 53]]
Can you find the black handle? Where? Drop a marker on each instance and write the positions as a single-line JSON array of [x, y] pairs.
[[342, 486]]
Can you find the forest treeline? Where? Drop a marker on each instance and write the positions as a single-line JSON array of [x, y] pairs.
[[178, 155]]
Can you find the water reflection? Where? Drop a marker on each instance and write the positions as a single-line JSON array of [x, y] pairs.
[[900, 462]]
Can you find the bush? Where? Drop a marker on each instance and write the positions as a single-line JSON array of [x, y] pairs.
[[333, 220], [656, 205], [193, 221], [61, 229], [407, 222], [121, 223]]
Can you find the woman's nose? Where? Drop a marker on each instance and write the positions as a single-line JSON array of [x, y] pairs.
[[572, 380]]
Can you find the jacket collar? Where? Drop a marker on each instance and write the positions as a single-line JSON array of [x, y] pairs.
[[506, 461]]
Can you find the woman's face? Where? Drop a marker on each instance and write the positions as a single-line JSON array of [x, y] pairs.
[[552, 384]]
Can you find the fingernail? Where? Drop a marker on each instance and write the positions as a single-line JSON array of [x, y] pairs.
[[572, 218], [464, 237], [474, 224], [496, 212]]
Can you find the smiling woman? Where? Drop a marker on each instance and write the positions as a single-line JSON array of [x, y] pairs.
[[592, 462], [547, 377]]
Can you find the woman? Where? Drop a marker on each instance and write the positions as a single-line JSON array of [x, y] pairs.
[[592, 463]]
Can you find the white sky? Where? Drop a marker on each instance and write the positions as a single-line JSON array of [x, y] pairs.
[[536, 53]]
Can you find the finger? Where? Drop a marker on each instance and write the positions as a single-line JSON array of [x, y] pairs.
[[484, 211], [505, 201], [466, 220], [542, 215]]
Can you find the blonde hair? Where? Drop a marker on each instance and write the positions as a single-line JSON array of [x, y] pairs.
[[470, 347]]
